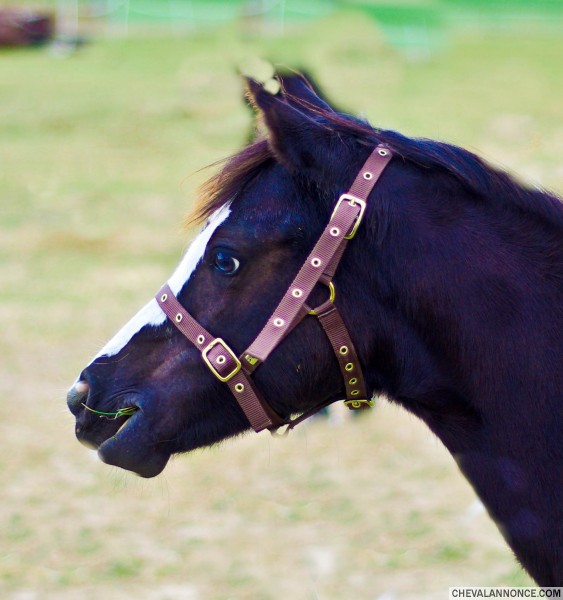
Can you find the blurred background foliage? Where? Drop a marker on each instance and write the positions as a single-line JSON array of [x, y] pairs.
[[104, 133]]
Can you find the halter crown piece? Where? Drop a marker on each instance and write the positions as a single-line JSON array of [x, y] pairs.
[[319, 267]]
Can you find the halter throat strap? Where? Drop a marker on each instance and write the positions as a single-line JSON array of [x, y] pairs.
[[319, 267]]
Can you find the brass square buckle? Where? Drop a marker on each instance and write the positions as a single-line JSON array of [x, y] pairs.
[[353, 202], [212, 367]]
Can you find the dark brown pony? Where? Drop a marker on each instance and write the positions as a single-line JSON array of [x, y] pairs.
[[452, 291]]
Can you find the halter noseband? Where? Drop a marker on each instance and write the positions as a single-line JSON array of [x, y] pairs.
[[319, 267]]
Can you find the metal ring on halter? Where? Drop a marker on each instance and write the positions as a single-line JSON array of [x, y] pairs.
[[332, 296]]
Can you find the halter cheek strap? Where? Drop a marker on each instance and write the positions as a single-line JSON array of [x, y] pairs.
[[221, 361], [320, 266]]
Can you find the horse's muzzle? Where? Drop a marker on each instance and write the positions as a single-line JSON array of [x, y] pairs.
[[121, 439]]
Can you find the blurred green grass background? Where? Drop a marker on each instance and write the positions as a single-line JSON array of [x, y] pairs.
[[100, 158]]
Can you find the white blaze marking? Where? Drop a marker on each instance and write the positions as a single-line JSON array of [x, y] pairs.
[[151, 313]]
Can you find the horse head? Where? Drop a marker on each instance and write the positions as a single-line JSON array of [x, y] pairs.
[[148, 394]]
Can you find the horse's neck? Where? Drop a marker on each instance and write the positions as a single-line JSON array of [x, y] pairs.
[[476, 353], [511, 454]]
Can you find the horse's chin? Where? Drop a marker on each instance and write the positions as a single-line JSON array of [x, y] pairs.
[[129, 449]]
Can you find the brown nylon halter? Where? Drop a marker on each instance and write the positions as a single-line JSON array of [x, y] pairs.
[[319, 267]]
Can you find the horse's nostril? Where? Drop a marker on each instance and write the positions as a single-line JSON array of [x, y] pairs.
[[76, 395], [81, 387]]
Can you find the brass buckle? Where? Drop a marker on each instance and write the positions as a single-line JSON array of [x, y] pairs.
[[353, 201], [355, 404], [206, 351]]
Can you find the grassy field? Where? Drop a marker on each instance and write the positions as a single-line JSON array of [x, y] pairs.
[[98, 164]]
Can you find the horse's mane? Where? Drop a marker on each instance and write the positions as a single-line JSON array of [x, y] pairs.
[[490, 184], [237, 171]]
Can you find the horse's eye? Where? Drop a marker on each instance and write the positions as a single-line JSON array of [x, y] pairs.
[[226, 263]]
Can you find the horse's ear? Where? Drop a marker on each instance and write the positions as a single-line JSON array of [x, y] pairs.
[[302, 91], [295, 137]]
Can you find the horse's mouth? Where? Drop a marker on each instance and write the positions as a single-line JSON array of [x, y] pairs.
[[120, 417], [124, 423], [121, 421], [94, 427], [122, 438]]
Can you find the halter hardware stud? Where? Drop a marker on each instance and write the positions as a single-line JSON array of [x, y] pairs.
[[239, 387], [205, 353], [358, 403], [164, 298], [383, 152], [221, 360], [178, 317], [251, 360], [353, 381], [335, 232], [279, 322], [316, 262], [297, 293], [349, 366], [368, 175], [343, 350], [200, 339]]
